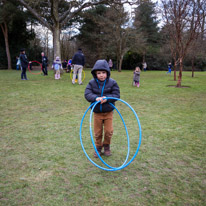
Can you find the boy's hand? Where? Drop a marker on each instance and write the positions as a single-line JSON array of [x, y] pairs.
[[101, 99], [104, 100]]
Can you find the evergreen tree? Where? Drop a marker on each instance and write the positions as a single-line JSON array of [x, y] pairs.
[[15, 21], [145, 22], [105, 33], [6, 13], [92, 33], [145, 17]]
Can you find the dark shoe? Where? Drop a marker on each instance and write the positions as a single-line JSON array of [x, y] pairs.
[[99, 149], [107, 151]]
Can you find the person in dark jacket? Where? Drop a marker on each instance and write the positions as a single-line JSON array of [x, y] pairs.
[[98, 88], [78, 62], [44, 61], [64, 64], [24, 64]]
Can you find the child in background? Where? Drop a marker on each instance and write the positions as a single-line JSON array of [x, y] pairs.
[[144, 65], [69, 66], [169, 68], [57, 66], [64, 64], [99, 87], [136, 77], [18, 63]]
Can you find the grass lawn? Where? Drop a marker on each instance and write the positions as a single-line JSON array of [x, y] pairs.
[[42, 162]]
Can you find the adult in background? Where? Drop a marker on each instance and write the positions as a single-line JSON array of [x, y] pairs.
[[24, 64], [110, 64], [44, 61], [78, 61]]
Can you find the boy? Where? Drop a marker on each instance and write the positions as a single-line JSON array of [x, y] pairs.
[[98, 88]]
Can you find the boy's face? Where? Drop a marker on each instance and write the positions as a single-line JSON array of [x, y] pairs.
[[101, 75]]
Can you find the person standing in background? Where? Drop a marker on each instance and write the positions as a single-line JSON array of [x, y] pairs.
[[169, 68], [69, 66], [24, 64], [144, 65], [44, 64], [18, 63], [78, 61], [57, 66], [110, 64], [136, 76]]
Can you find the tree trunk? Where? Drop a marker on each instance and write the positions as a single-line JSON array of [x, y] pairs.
[[193, 67], [175, 69], [5, 33], [120, 64], [56, 41], [118, 61], [143, 57], [175, 66], [179, 82], [47, 43]]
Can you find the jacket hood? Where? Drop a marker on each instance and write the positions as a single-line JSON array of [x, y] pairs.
[[101, 65], [57, 58], [57, 61]]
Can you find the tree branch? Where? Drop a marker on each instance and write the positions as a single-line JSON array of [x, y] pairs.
[[68, 15], [35, 13]]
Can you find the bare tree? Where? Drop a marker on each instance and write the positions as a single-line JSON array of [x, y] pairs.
[[58, 12], [184, 19], [116, 26], [5, 17], [68, 44], [119, 33], [195, 52], [4, 29]]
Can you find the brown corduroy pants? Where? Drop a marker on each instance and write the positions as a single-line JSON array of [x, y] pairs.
[[100, 120]]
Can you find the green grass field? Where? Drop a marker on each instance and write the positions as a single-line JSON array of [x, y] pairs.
[[42, 162]]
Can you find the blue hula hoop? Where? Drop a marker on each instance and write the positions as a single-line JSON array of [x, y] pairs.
[[125, 164]]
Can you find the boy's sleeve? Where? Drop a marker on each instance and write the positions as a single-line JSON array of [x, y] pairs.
[[115, 92], [88, 94]]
